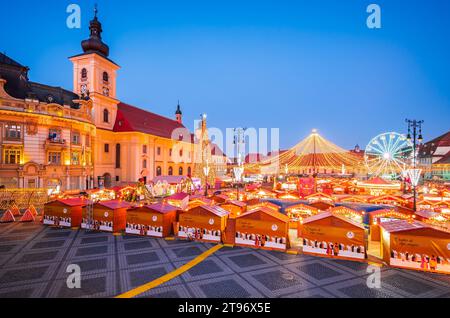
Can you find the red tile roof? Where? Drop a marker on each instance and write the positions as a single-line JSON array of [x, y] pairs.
[[130, 118]]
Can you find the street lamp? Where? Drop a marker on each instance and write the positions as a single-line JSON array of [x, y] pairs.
[[414, 126]]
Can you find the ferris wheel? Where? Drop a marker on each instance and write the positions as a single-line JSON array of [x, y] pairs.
[[388, 154]]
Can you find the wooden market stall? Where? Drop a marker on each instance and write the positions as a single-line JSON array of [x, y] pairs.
[[331, 234], [108, 216], [64, 212], [262, 228], [198, 200], [235, 207], [180, 200], [298, 212], [202, 223], [263, 204], [151, 220], [416, 245], [376, 218]]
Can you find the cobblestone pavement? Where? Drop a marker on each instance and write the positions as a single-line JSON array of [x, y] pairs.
[[34, 258]]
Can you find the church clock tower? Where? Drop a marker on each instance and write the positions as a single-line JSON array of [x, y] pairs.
[[94, 75]]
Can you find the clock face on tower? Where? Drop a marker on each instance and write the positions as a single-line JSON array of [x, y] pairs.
[[83, 89], [106, 91]]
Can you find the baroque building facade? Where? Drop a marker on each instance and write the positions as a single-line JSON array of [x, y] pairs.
[[86, 138]]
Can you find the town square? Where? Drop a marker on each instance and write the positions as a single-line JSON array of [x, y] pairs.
[[225, 154]]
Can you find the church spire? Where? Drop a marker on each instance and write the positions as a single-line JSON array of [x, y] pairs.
[[94, 44], [178, 113]]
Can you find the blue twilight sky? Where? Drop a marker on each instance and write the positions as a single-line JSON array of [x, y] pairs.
[[295, 65]]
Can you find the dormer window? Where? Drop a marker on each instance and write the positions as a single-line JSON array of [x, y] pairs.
[[83, 74], [105, 116], [105, 77]]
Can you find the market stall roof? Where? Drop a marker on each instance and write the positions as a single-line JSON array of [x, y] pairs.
[[73, 201], [115, 204], [217, 210], [427, 214], [419, 228], [343, 209], [321, 205], [301, 206], [328, 214], [161, 207], [280, 216], [237, 203], [387, 197], [319, 195], [266, 204]]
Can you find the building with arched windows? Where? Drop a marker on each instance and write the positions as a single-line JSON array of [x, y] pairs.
[[84, 138]]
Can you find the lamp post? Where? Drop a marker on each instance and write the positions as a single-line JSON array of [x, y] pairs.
[[239, 169], [414, 126]]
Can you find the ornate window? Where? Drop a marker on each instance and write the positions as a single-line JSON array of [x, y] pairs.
[[54, 135], [158, 171], [106, 147], [144, 148], [83, 74], [170, 171], [189, 171], [13, 131], [180, 171], [105, 77], [144, 164], [105, 116], [54, 157], [158, 151], [170, 152], [12, 155], [75, 138]]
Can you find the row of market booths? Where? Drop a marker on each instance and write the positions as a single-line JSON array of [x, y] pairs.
[[198, 218], [341, 231]]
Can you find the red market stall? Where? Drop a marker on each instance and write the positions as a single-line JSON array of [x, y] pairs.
[[108, 216], [64, 212], [331, 234], [151, 220], [385, 215], [202, 223], [262, 228], [416, 245]]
